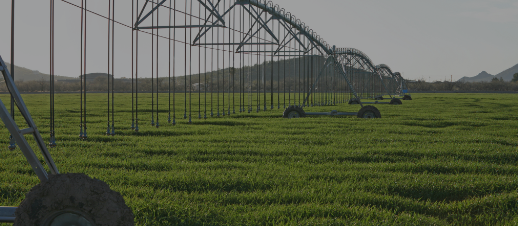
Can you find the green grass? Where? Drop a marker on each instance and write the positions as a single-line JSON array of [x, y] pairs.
[[439, 159]]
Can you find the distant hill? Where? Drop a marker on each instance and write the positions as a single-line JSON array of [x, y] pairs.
[[481, 77], [506, 75], [291, 69], [25, 74], [94, 76]]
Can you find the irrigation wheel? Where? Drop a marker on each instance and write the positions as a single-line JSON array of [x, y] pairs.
[[395, 101], [354, 101], [73, 199], [369, 112], [407, 97], [294, 112]]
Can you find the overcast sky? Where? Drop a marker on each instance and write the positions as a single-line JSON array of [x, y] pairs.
[[428, 40]]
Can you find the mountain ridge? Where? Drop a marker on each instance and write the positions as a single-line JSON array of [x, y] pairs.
[[506, 75], [25, 74], [481, 77]]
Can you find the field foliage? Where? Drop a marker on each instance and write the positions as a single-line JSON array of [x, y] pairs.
[[439, 159]]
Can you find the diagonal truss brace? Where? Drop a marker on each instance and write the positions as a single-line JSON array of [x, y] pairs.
[[311, 45], [18, 134], [200, 33], [294, 36], [262, 22], [338, 67], [212, 9], [257, 19], [149, 13], [262, 25]]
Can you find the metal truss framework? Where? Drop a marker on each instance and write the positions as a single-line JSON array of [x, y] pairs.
[[262, 13], [267, 30], [263, 55], [367, 78], [320, 74]]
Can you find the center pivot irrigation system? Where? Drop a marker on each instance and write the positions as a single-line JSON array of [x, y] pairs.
[[223, 57]]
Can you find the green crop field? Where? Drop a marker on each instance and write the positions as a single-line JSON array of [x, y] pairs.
[[439, 159]]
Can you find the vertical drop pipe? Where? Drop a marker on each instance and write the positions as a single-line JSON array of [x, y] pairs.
[[12, 143]]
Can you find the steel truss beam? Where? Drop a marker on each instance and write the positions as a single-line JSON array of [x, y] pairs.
[[248, 36], [286, 20], [262, 24], [212, 9]]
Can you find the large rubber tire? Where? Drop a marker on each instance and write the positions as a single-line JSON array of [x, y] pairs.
[[395, 101], [354, 101], [407, 97], [73, 199], [369, 112], [378, 98], [294, 112]]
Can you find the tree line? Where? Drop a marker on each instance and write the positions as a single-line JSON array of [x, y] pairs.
[[256, 78], [495, 85]]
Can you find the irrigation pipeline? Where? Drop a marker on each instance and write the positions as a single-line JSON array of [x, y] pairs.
[[375, 78], [52, 142], [12, 143], [135, 46], [281, 61], [108, 72], [113, 70], [81, 135], [152, 70], [83, 129], [85, 135], [132, 69]]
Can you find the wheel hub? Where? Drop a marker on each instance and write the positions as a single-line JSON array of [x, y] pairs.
[[293, 114], [69, 219], [369, 114]]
